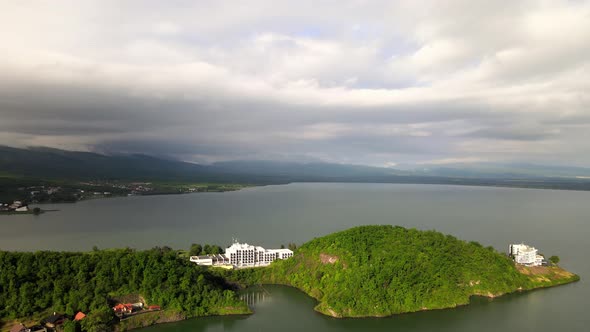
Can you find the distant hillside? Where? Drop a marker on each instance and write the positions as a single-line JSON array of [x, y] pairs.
[[508, 175], [502, 171], [54, 163], [47, 163], [303, 170], [386, 270]]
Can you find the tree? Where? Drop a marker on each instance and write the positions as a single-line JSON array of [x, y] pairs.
[[398, 270], [282, 246], [99, 320], [33, 283], [207, 249], [70, 326], [292, 246], [215, 249], [554, 259], [195, 249]]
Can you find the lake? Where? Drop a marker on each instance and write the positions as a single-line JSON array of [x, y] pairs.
[[556, 222]]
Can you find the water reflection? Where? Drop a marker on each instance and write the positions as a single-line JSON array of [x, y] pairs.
[[255, 295]]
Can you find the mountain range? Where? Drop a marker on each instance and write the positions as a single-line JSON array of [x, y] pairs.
[[50, 163]]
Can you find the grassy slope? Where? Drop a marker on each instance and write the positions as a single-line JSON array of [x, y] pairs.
[[385, 270], [547, 276]]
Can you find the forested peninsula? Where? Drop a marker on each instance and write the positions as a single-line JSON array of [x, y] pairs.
[[376, 271], [367, 271]]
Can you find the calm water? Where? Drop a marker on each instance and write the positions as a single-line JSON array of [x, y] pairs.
[[554, 221]]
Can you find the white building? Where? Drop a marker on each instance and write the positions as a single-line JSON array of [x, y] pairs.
[[526, 255], [244, 255]]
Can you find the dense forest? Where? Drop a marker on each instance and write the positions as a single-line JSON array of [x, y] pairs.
[[363, 271], [385, 270], [69, 282]]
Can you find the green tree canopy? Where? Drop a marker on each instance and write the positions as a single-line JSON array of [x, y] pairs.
[[384, 270], [195, 249], [554, 259], [68, 282]]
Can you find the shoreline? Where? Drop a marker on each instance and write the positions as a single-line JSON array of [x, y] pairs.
[[147, 319], [139, 321], [61, 191], [29, 212], [539, 278], [540, 185], [315, 308], [555, 283], [571, 278], [508, 277], [138, 195], [168, 316]]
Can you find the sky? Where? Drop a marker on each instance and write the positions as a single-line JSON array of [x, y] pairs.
[[380, 83]]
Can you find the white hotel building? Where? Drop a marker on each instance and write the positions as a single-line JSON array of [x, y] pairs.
[[244, 255], [525, 255]]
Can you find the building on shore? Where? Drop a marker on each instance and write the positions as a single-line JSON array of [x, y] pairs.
[[243, 255], [525, 255], [17, 206]]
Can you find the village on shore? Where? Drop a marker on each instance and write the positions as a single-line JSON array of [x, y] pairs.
[[16, 198], [15, 206]]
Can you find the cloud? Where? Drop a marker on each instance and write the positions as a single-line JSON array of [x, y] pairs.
[[521, 133], [343, 82], [451, 161]]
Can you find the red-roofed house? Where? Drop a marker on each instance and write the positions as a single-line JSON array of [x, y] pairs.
[[79, 316], [123, 308]]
